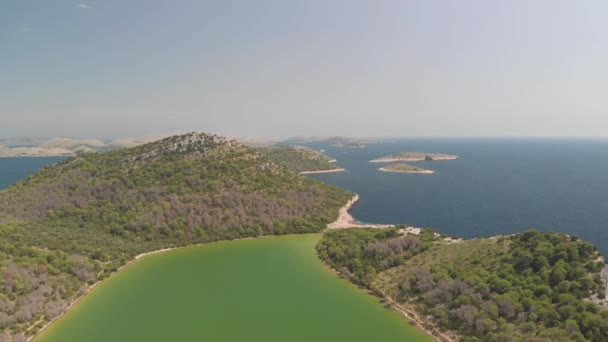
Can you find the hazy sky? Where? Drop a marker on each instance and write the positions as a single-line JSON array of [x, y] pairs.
[[112, 68]]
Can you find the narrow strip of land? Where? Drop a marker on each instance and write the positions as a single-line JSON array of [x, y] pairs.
[[346, 220], [426, 172], [322, 171]]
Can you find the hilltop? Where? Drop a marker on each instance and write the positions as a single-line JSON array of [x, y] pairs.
[[74, 223], [300, 158], [532, 286]]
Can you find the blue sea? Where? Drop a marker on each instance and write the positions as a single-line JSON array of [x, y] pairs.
[[18, 168], [498, 186]]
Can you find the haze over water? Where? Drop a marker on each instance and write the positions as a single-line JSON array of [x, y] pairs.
[[498, 186]]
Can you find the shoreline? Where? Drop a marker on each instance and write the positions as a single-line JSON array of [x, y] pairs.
[[423, 172], [38, 156], [90, 288], [410, 314], [137, 257], [346, 220], [321, 171]]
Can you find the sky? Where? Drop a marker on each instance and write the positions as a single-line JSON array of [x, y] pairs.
[[117, 68]]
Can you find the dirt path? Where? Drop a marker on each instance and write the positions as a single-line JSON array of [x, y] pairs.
[[35, 323], [417, 320]]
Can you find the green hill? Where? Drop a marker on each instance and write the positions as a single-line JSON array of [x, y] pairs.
[[526, 287], [73, 223], [298, 158]]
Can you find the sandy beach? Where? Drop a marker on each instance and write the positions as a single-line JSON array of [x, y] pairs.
[[346, 220], [321, 171]]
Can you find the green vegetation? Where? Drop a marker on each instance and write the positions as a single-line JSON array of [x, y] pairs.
[[534, 286], [271, 289], [298, 158], [405, 168], [74, 223]]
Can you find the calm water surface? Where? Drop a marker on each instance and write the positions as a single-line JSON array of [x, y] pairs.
[[269, 290], [498, 186], [17, 168]]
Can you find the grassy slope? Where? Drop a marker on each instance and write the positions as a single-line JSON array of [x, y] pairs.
[[72, 224]]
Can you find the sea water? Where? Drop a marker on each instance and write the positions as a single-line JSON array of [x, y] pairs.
[[497, 186]]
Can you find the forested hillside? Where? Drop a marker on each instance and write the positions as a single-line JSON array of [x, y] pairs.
[[298, 158], [72, 224], [534, 286]]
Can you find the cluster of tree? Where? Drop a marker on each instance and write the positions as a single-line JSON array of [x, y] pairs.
[[74, 223], [534, 286], [298, 158], [361, 253]]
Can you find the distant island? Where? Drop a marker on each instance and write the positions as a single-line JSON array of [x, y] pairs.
[[413, 156], [348, 142], [405, 168], [61, 146], [337, 141], [300, 159]]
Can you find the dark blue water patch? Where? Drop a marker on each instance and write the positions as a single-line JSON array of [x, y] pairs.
[[498, 186], [17, 168]]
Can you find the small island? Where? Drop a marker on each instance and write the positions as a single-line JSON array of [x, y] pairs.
[[405, 168], [413, 156]]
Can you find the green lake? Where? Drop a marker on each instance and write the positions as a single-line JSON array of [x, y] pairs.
[[268, 289]]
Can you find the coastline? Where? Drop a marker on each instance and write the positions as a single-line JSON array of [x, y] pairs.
[[137, 257], [90, 288], [36, 156], [424, 172], [346, 220], [321, 171], [410, 314]]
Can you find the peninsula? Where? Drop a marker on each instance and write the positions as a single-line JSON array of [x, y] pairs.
[[413, 156], [405, 168], [531, 286], [300, 159]]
